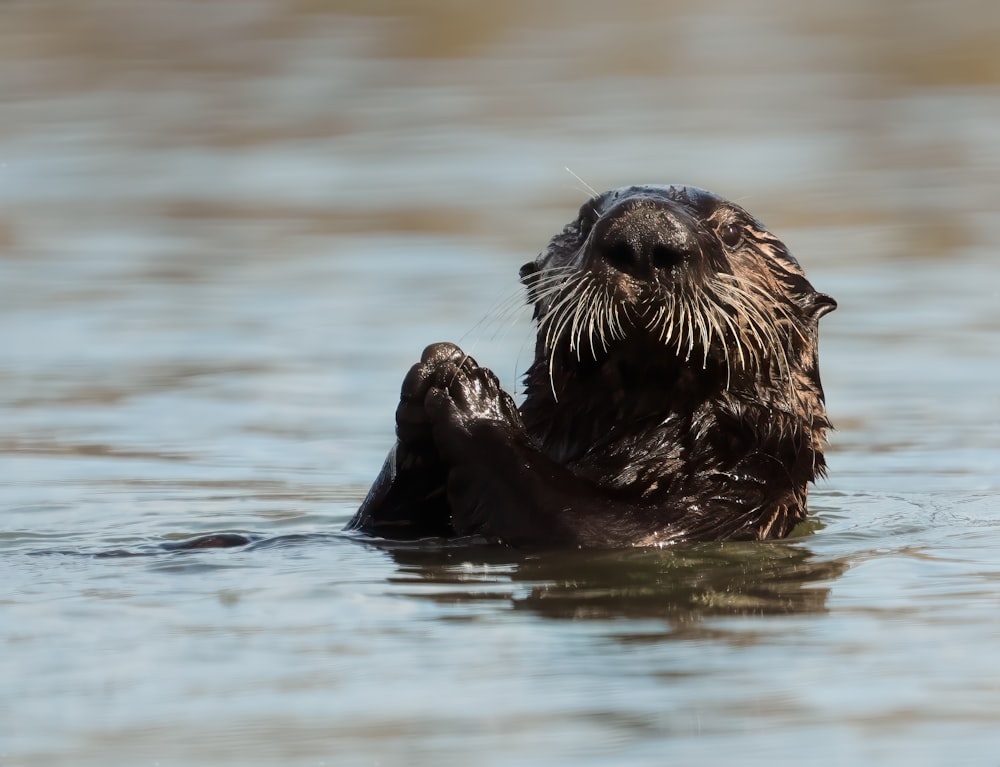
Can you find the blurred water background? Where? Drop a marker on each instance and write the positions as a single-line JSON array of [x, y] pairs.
[[226, 230]]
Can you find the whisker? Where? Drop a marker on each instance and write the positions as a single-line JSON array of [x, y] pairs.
[[586, 187]]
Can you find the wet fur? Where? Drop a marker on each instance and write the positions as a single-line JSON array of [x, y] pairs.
[[674, 393]]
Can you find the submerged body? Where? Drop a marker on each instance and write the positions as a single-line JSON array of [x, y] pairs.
[[674, 393]]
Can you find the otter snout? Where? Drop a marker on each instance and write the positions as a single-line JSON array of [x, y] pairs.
[[639, 237]]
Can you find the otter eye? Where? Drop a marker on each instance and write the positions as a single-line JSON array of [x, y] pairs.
[[731, 234]]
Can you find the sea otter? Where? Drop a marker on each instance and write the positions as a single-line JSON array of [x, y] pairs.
[[674, 393]]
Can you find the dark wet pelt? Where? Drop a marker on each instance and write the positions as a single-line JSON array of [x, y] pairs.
[[227, 230]]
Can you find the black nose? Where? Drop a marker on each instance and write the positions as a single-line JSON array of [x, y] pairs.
[[639, 236]]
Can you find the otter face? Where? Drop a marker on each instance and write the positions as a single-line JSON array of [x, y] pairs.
[[679, 267]]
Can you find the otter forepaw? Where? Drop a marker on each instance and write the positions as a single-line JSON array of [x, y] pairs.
[[438, 365], [468, 394]]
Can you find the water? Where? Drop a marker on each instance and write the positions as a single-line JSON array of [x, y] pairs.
[[227, 230]]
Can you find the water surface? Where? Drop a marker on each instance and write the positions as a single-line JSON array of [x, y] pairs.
[[227, 230]]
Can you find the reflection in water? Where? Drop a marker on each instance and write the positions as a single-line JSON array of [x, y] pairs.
[[683, 584]]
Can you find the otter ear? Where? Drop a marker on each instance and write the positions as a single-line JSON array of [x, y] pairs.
[[820, 304], [528, 272]]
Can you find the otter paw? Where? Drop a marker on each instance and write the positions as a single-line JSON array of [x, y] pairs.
[[470, 393], [442, 397], [438, 367]]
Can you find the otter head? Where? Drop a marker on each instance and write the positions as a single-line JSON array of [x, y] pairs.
[[662, 305], [681, 274]]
